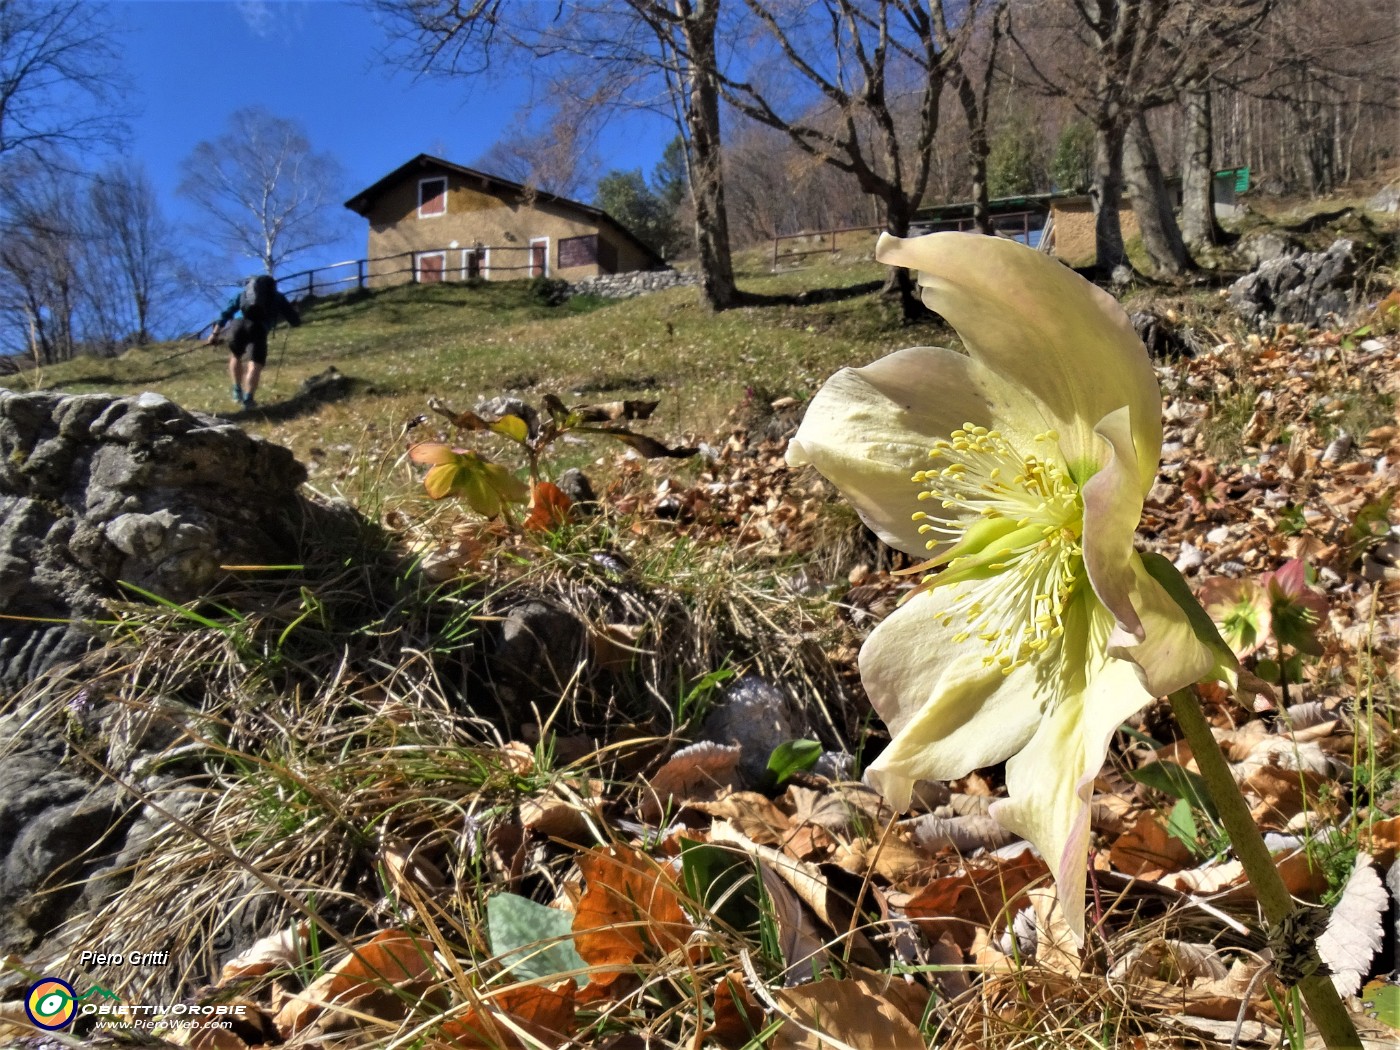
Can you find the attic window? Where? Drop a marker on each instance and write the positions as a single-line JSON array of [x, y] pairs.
[[432, 197]]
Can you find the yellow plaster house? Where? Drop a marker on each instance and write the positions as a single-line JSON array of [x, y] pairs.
[[432, 220]]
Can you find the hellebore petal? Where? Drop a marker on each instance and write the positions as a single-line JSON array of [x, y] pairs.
[[1296, 609], [1112, 510], [868, 429], [947, 711], [1051, 779], [1152, 630], [1041, 327]]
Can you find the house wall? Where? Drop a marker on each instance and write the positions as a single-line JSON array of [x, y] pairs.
[[473, 217], [1074, 230]]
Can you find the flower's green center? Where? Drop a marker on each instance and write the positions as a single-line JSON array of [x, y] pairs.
[[1014, 523]]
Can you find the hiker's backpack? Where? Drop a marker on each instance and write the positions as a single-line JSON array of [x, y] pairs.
[[259, 298]]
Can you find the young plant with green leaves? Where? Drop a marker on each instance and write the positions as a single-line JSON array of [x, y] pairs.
[[490, 488]]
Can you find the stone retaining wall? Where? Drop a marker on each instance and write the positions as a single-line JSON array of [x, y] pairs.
[[630, 285]]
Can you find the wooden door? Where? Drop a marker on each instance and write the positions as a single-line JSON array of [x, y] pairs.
[[430, 267]]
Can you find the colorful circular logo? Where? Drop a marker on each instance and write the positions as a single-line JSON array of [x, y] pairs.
[[50, 1003]]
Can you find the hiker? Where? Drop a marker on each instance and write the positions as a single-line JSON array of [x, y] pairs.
[[261, 306]]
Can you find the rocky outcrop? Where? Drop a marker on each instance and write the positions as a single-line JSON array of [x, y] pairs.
[[631, 285], [1312, 288], [98, 490]]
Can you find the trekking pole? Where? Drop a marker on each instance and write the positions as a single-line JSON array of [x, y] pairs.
[[281, 353], [185, 350]]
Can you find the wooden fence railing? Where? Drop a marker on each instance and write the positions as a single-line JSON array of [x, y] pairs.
[[422, 266], [1017, 225], [818, 238]]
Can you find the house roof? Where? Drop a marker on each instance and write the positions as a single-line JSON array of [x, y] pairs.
[[362, 202]]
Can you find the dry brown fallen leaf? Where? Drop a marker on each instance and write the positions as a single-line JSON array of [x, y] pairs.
[[814, 885], [983, 894], [856, 1013], [1148, 850], [631, 908], [737, 1015], [412, 875], [700, 772], [1055, 947], [391, 961], [546, 1015], [285, 949], [1229, 879], [753, 814]]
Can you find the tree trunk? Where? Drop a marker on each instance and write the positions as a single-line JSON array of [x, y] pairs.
[[1152, 204], [900, 282], [1107, 196], [977, 150], [706, 162], [1198, 226]]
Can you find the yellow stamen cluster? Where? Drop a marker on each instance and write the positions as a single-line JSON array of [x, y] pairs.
[[1012, 590]]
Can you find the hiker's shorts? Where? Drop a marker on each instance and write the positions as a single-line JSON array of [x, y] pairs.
[[248, 337]]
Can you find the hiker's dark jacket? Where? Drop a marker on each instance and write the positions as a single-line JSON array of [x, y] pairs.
[[280, 309]]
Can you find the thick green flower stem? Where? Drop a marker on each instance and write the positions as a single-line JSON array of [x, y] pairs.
[[1332, 1020]]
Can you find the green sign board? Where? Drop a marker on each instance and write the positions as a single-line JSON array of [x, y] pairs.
[[1239, 177]]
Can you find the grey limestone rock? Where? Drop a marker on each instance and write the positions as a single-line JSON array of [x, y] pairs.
[[757, 716], [1312, 288], [96, 490]]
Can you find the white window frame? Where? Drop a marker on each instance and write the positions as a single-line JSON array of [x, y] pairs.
[[534, 241], [423, 182], [418, 265]]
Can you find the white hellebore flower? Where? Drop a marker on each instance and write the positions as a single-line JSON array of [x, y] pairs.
[[1021, 467]]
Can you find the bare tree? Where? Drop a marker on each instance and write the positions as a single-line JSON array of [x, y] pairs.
[[1117, 59], [659, 55], [41, 257], [551, 151], [133, 248], [265, 193], [59, 75], [868, 62], [975, 96]]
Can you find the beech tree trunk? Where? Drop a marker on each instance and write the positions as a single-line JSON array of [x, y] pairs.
[[1152, 204], [1107, 195], [707, 173], [977, 150], [1198, 226], [900, 282]]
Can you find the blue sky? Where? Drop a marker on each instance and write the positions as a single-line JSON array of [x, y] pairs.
[[319, 62]]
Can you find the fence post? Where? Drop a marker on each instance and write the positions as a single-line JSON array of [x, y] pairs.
[[775, 251], [359, 273], [310, 283]]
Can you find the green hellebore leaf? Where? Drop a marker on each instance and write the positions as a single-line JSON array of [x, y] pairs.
[[1165, 573], [532, 941], [479, 493], [1181, 825], [1178, 782], [723, 880], [793, 756]]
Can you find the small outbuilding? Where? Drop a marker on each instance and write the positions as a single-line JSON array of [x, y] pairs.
[[431, 220]]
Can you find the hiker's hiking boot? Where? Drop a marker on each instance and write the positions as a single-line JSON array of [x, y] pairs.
[[237, 392], [248, 403]]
